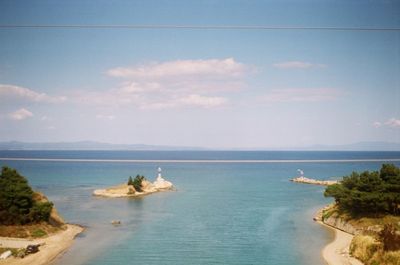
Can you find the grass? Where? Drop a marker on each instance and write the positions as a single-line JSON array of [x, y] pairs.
[[328, 213], [364, 246], [362, 222], [38, 233], [28, 231], [370, 252]]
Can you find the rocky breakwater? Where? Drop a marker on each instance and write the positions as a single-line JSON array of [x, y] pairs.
[[306, 180]]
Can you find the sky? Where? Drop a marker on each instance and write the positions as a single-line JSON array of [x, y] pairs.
[[215, 88]]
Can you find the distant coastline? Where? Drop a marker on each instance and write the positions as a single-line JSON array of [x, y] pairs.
[[93, 145]]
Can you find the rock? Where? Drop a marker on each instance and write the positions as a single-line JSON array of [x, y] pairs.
[[341, 224], [131, 189], [55, 218], [147, 186], [116, 222], [314, 181], [5, 254], [162, 184]]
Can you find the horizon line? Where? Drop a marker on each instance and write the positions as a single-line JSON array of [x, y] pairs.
[[194, 27]]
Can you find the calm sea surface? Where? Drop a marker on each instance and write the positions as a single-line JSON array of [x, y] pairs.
[[221, 213]]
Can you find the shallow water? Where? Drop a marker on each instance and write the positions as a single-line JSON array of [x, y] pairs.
[[231, 213]]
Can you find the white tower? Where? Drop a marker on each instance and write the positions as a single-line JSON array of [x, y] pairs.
[[301, 172], [159, 177]]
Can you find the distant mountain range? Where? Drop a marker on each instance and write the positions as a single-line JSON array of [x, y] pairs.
[[92, 145], [87, 145], [360, 146]]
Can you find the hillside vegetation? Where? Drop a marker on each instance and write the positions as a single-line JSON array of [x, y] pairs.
[[24, 212], [369, 193], [370, 202]]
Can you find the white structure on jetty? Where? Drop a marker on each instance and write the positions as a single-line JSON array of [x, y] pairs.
[[160, 182], [301, 172], [159, 177]]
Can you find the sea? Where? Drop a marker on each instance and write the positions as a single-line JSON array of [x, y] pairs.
[[229, 207]]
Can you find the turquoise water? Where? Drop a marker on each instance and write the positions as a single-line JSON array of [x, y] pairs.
[[221, 213]]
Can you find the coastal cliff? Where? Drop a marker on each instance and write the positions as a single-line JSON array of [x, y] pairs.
[[330, 217], [30, 226], [364, 236], [367, 208]]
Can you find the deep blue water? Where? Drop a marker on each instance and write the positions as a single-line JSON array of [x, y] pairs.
[[221, 213]]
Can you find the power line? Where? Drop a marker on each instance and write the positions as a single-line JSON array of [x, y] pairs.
[[191, 27]]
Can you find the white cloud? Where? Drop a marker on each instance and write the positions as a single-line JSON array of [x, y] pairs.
[[394, 123], [105, 117], [182, 68], [377, 124], [112, 97], [171, 84], [297, 65], [301, 95], [193, 100], [28, 94], [202, 101], [45, 118], [159, 105], [20, 114]]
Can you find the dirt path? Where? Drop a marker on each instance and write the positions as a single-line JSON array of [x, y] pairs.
[[53, 246]]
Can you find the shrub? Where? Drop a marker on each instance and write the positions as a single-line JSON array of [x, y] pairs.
[[363, 247], [41, 211], [389, 238], [137, 182]]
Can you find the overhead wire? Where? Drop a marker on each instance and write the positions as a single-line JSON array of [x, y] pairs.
[[190, 27]]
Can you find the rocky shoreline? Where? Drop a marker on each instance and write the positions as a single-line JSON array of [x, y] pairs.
[[338, 251], [146, 188]]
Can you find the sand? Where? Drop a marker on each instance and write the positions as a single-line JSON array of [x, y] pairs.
[[54, 246], [337, 252]]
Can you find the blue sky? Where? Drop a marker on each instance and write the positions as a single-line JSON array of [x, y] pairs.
[[204, 87]]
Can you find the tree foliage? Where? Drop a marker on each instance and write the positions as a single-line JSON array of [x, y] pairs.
[[17, 205], [137, 182], [369, 192], [130, 181]]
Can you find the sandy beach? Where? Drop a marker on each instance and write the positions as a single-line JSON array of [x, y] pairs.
[[337, 252], [52, 247]]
